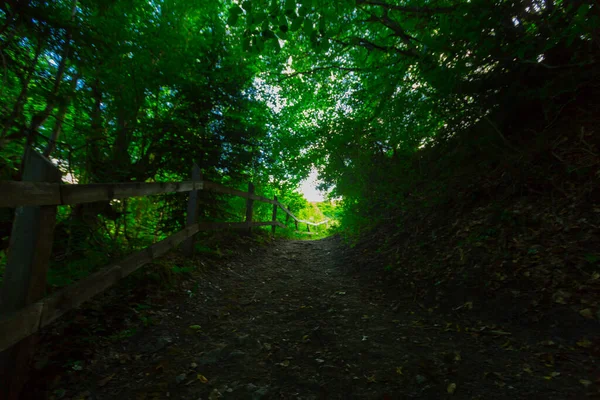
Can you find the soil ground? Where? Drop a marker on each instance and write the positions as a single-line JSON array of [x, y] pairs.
[[294, 320]]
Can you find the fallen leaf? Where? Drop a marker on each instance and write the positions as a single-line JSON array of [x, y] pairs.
[[500, 333], [180, 378], [202, 378], [560, 300], [285, 363], [451, 388], [104, 381], [584, 343], [195, 327], [587, 313], [468, 304], [527, 369], [214, 395], [585, 382], [371, 379], [560, 296], [552, 375], [399, 370]]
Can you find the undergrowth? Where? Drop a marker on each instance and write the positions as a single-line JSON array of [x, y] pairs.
[[504, 224]]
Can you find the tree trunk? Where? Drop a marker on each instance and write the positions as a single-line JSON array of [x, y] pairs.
[[60, 118]]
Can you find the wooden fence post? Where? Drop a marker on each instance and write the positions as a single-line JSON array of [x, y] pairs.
[[26, 269], [192, 211], [249, 205], [287, 216], [308, 227], [274, 215]]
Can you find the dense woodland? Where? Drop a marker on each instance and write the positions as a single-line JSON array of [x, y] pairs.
[[375, 95], [458, 139]]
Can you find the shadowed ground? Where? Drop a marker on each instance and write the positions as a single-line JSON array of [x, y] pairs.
[[291, 321]]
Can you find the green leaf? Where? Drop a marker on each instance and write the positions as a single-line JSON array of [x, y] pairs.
[[260, 17], [276, 46], [232, 20], [274, 8], [234, 14], [296, 24], [268, 34], [308, 27], [236, 10], [290, 5], [255, 45], [314, 39], [582, 11], [303, 11], [246, 44], [247, 5]]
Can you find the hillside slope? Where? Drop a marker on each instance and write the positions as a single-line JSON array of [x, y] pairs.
[[504, 235]]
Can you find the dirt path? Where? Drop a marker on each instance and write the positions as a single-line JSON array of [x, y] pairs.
[[289, 321]]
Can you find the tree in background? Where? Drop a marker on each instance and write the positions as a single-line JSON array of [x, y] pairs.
[[264, 90], [127, 91], [369, 84]]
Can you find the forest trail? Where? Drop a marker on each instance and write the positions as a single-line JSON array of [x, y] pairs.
[[292, 321]]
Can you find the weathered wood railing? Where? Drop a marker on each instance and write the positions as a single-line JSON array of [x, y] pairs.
[[23, 309]]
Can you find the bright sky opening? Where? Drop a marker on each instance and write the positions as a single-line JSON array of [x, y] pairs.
[[308, 188]]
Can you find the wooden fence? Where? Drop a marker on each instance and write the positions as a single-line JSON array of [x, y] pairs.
[[23, 309]]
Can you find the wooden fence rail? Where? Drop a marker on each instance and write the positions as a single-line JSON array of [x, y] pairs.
[[23, 310], [18, 194], [288, 212]]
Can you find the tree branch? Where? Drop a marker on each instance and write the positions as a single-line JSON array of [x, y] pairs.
[[413, 10], [372, 46], [325, 68]]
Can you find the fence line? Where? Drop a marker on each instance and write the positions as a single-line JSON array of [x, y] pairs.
[[19, 194], [34, 312], [54, 194]]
